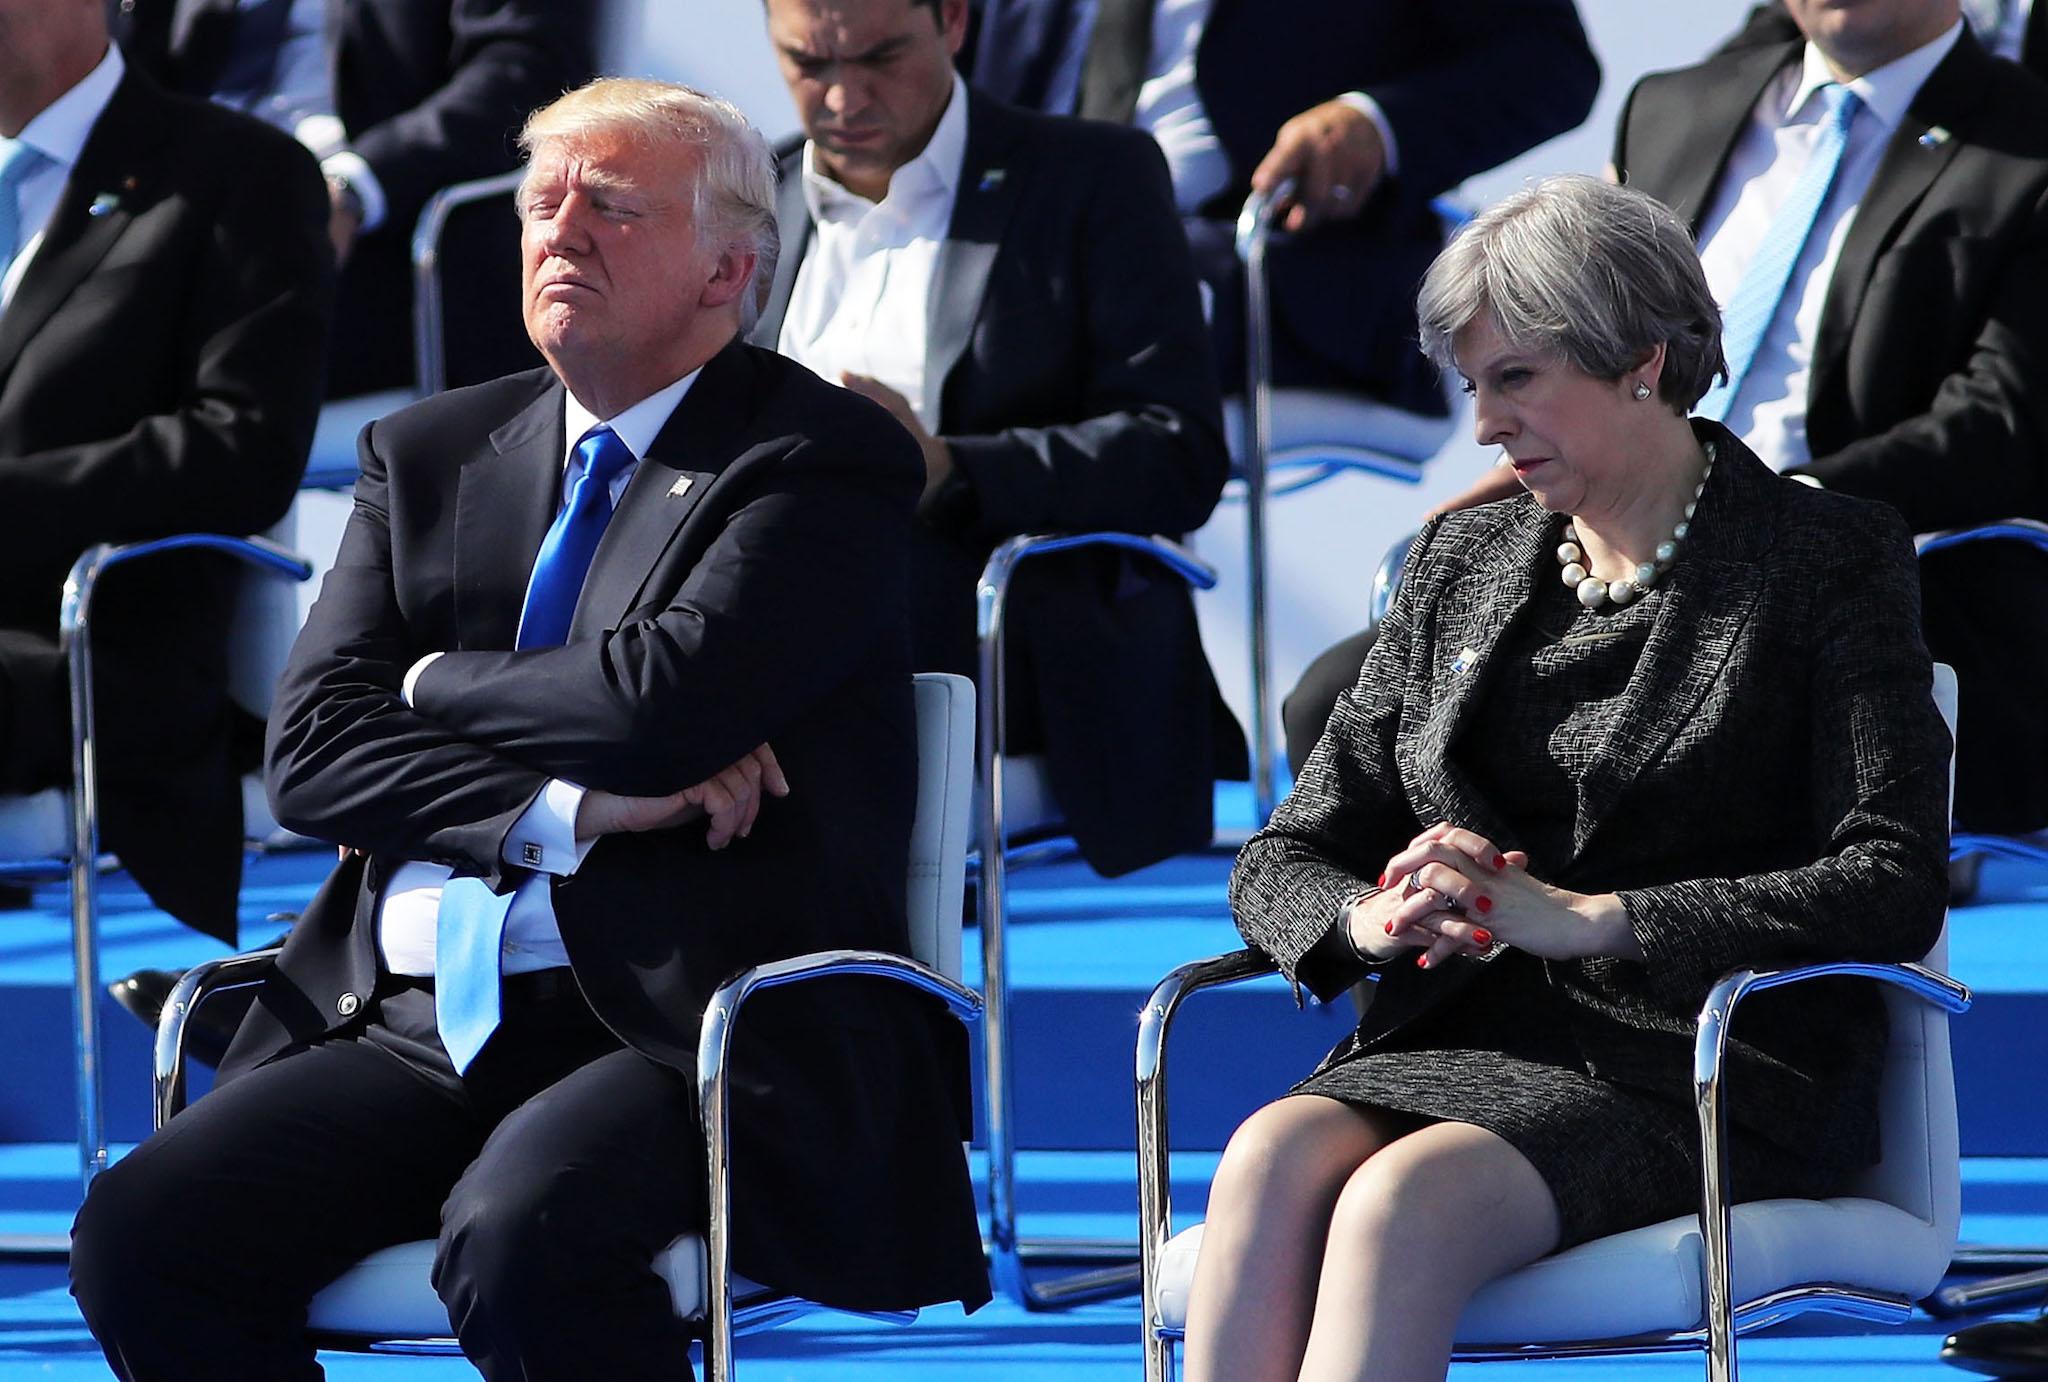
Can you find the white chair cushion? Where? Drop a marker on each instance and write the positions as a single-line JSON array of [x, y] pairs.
[[389, 1295], [941, 828], [1648, 1280], [35, 826]]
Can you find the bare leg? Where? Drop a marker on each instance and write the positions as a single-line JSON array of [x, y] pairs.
[[1416, 1230], [1262, 1249]]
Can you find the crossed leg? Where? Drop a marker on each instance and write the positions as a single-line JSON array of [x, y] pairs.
[[1343, 1243]]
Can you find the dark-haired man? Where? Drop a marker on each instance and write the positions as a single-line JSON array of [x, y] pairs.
[[1016, 290]]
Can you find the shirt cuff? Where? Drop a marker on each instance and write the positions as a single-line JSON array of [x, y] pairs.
[[544, 836], [1370, 109], [350, 167], [412, 676], [1810, 480]]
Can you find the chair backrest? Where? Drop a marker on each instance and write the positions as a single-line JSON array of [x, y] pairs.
[[944, 822], [467, 324], [1920, 1166]]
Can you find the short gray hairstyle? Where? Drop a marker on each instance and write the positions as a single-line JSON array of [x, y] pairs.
[[733, 201], [1581, 270]]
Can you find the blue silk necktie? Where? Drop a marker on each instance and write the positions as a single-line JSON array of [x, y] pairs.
[[17, 161], [470, 932], [1754, 304]]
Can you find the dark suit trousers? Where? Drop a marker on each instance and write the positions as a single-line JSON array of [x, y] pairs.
[[552, 1174]]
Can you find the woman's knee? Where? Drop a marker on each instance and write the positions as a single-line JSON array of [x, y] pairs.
[[1293, 1150], [1453, 1206]]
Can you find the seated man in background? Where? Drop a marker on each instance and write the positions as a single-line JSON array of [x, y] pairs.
[[398, 99], [164, 289], [514, 705], [1373, 107], [1871, 202], [1014, 289]]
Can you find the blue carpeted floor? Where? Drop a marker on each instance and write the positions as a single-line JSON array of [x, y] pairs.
[[1084, 954]]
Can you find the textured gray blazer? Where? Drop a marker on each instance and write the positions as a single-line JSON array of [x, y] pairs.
[[1776, 792]]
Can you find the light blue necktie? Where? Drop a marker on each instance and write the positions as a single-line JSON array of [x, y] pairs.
[[1755, 301], [17, 162], [470, 932]]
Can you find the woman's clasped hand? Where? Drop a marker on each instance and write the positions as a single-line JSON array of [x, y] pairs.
[[1453, 892]]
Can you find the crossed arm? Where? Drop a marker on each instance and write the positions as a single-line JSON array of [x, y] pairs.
[[681, 692]]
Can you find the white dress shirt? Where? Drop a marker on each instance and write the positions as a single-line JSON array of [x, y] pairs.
[[543, 839], [1169, 107], [58, 133], [860, 297], [1769, 410]]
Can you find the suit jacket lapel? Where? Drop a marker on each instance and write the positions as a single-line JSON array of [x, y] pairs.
[[1910, 165], [793, 223], [116, 173], [686, 458], [981, 210], [1464, 639], [1706, 602], [1683, 172], [505, 498]]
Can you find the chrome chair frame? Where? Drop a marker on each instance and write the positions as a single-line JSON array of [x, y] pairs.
[[1726, 1318], [2026, 1268], [83, 861], [723, 1317], [332, 470], [1008, 1253], [1318, 462], [429, 316]]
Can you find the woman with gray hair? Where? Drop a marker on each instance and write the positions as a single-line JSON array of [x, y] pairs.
[[1663, 714]]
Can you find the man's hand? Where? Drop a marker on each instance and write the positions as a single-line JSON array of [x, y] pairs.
[[731, 798], [938, 457], [1335, 156]]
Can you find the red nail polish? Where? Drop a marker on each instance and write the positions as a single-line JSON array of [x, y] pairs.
[[1483, 905], [1482, 938], [1390, 928], [1422, 962], [1383, 881], [1500, 861]]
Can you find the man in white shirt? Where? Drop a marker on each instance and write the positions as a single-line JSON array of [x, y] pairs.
[[566, 601], [164, 292], [1016, 289]]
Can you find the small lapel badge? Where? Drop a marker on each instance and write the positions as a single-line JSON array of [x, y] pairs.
[[681, 487], [103, 204], [1936, 136], [1462, 663], [991, 180]]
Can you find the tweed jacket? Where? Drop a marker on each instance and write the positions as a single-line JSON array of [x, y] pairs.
[[1775, 791]]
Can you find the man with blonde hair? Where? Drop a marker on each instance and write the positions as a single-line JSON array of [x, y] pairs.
[[517, 708]]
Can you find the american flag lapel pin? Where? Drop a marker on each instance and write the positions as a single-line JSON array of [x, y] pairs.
[[1936, 136], [681, 487], [991, 180], [1462, 663]]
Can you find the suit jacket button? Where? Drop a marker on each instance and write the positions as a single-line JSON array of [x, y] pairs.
[[347, 1004]]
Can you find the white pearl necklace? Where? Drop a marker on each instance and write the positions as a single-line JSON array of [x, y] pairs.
[[1594, 592]]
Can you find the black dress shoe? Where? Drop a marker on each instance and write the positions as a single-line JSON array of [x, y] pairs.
[[210, 1028], [2002, 1348]]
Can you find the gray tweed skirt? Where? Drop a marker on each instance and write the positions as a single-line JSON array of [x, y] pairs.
[[1499, 1055]]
